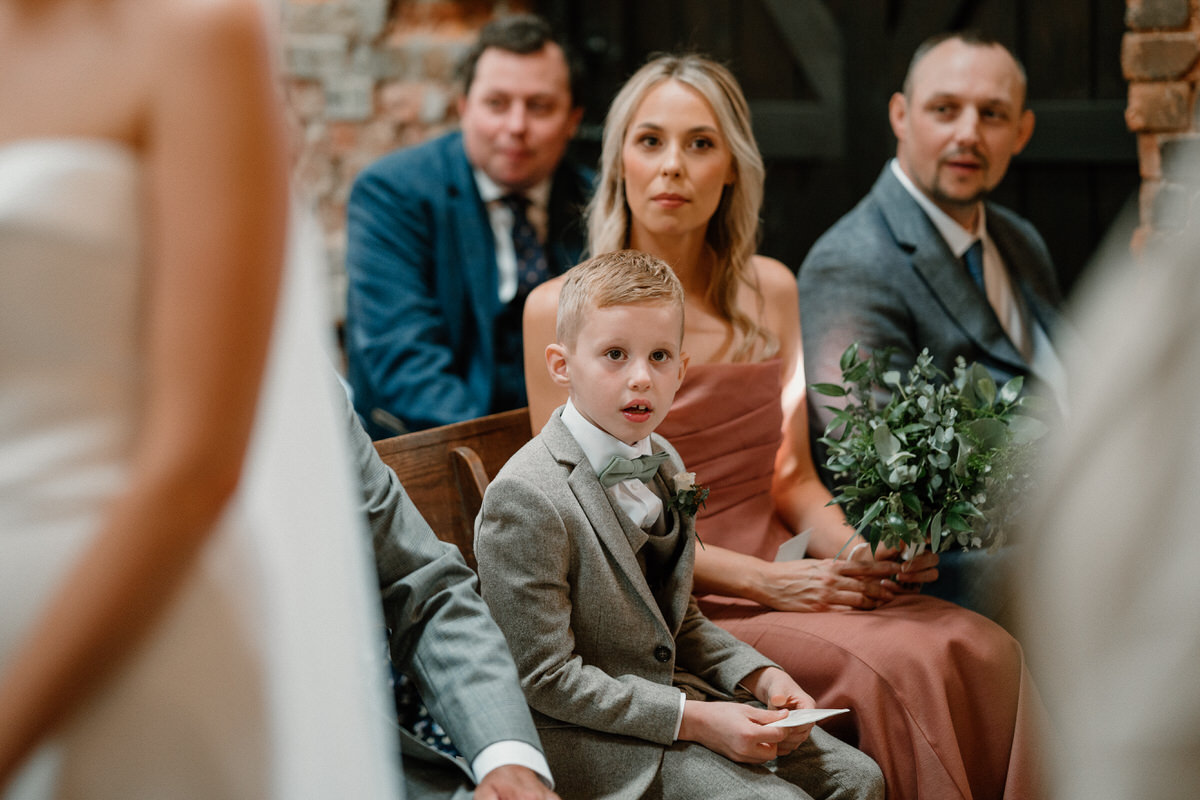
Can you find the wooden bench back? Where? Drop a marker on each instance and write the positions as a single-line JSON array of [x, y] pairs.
[[446, 470]]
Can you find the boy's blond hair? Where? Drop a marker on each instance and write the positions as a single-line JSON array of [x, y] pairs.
[[619, 278]]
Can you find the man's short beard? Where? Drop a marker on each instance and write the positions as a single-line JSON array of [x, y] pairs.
[[941, 198]]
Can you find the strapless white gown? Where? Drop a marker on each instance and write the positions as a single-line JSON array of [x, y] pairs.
[[266, 678]]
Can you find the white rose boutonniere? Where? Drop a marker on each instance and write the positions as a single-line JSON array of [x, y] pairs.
[[688, 497]]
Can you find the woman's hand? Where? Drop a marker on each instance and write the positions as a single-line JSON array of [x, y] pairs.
[[811, 584], [919, 569]]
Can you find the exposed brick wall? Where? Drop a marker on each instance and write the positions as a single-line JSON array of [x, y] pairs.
[[363, 77], [1160, 57]]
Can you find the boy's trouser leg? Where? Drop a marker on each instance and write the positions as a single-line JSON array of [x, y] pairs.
[[830, 769], [691, 771]]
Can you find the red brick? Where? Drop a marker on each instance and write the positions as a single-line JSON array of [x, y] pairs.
[[1158, 56], [1148, 14], [1181, 159], [1149, 156], [1159, 106]]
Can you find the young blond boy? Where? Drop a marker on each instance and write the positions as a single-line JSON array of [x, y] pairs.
[[635, 694]]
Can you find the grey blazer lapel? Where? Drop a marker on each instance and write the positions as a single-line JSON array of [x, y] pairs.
[[958, 295], [594, 502]]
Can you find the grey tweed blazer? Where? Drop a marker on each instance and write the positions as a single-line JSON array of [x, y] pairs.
[[596, 654]]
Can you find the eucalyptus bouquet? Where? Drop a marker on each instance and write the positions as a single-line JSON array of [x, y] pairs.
[[945, 460]]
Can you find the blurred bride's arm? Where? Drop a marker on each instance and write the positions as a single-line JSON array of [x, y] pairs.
[[212, 140], [538, 321]]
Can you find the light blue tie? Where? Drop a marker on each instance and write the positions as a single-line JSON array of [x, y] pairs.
[[973, 258], [622, 469]]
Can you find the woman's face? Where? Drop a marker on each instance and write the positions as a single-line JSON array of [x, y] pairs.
[[676, 161]]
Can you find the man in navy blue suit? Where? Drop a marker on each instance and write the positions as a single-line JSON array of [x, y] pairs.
[[446, 239]]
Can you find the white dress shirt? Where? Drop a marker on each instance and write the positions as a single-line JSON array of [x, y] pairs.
[[501, 217]]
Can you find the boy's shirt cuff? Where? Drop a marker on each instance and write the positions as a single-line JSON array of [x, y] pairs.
[[511, 751], [679, 722]]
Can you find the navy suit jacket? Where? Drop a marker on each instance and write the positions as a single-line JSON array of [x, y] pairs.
[[422, 297], [883, 276]]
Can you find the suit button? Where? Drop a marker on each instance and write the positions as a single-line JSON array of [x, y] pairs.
[[662, 653]]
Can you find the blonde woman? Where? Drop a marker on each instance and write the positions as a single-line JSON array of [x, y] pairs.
[[940, 696]]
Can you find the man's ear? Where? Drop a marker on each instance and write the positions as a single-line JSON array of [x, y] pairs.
[[683, 363], [574, 119], [1024, 131], [556, 362], [897, 113]]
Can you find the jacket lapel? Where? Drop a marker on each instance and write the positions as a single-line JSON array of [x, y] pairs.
[[679, 583], [616, 533], [471, 228], [958, 295]]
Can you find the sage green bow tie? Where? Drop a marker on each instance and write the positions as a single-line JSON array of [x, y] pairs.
[[622, 469]]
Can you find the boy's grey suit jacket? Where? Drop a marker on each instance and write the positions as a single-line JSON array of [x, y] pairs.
[[596, 655]]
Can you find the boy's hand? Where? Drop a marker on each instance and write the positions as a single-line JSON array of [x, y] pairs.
[[775, 689], [513, 782], [735, 730]]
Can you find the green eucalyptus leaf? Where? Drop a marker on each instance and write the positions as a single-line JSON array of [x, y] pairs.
[[1011, 390], [886, 445], [1026, 429], [849, 356], [870, 514], [955, 522], [984, 383], [935, 531], [828, 389], [988, 433]]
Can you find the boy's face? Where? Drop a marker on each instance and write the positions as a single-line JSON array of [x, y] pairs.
[[625, 367]]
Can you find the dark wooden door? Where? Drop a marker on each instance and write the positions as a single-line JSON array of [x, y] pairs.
[[818, 74]]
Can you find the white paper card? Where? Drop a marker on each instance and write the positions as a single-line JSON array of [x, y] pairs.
[[795, 547], [806, 716]]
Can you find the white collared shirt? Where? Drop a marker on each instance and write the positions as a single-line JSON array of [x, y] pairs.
[[511, 752], [501, 217], [636, 499]]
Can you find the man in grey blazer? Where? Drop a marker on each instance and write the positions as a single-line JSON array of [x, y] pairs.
[[923, 261], [441, 635]]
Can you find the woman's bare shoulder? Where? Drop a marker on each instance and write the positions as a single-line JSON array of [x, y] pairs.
[[776, 282], [178, 32], [543, 300]]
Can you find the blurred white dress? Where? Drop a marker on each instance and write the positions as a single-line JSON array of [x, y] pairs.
[[266, 677]]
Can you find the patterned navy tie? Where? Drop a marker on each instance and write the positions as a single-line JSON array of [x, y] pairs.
[[531, 258], [973, 258]]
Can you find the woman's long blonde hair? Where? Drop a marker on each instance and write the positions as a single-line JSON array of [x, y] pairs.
[[733, 230]]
